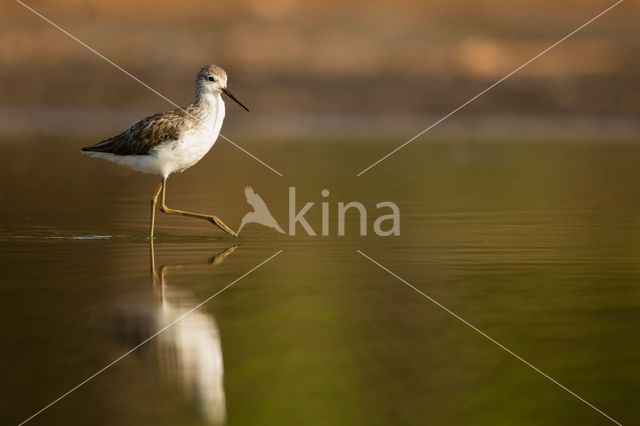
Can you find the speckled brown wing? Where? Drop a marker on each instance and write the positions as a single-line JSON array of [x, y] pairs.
[[140, 138]]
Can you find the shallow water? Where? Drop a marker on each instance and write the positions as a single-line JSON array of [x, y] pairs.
[[535, 244]]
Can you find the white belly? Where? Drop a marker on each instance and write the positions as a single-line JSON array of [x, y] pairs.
[[178, 156]]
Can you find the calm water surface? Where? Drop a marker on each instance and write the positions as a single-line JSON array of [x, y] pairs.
[[538, 245]]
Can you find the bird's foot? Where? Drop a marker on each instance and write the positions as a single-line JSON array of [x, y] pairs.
[[220, 224]]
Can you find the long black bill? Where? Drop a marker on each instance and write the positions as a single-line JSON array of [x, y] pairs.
[[229, 94]]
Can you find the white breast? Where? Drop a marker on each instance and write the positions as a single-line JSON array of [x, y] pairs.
[[194, 143]]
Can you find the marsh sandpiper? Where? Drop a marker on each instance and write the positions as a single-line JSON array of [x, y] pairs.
[[173, 141]]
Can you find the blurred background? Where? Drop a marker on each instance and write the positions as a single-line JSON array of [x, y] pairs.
[[521, 213], [325, 68]]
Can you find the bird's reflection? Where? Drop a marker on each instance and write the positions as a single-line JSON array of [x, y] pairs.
[[189, 349]]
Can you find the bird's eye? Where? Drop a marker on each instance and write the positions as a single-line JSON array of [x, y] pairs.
[[210, 78]]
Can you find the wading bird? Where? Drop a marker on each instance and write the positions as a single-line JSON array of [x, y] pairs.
[[173, 141]]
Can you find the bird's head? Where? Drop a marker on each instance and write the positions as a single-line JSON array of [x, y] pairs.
[[212, 79]]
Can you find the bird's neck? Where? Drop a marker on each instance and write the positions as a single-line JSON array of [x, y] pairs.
[[210, 106], [207, 100]]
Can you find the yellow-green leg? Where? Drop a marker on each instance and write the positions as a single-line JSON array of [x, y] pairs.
[[154, 203], [213, 219], [152, 263]]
